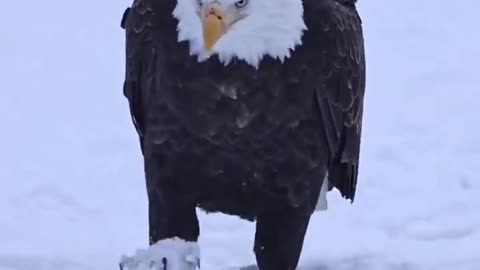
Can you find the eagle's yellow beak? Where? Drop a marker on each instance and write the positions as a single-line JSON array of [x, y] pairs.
[[213, 26]]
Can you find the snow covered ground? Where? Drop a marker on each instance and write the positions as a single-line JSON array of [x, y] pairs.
[[71, 184]]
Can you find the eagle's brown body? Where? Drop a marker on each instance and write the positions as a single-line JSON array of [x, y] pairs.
[[242, 141]]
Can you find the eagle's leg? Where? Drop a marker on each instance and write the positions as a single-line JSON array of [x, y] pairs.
[[279, 239], [170, 213], [280, 234], [173, 224]]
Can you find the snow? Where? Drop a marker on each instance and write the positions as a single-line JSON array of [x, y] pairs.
[[176, 253], [72, 193]]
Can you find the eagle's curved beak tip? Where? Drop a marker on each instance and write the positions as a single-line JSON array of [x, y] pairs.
[[213, 27]]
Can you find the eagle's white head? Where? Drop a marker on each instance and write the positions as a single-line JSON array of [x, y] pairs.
[[243, 29]]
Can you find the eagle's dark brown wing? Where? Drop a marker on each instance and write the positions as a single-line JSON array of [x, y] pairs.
[[341, 87], [138, 22]]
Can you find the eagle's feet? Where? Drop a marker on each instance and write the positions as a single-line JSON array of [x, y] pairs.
[[167, 254]]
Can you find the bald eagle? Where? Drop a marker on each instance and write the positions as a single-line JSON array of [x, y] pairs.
[[244, 107]]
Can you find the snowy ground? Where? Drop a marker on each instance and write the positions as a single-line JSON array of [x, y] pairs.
[[71, 183]]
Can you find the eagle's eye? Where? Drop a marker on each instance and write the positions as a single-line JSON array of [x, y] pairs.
[[200, 3], [241, 3]]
